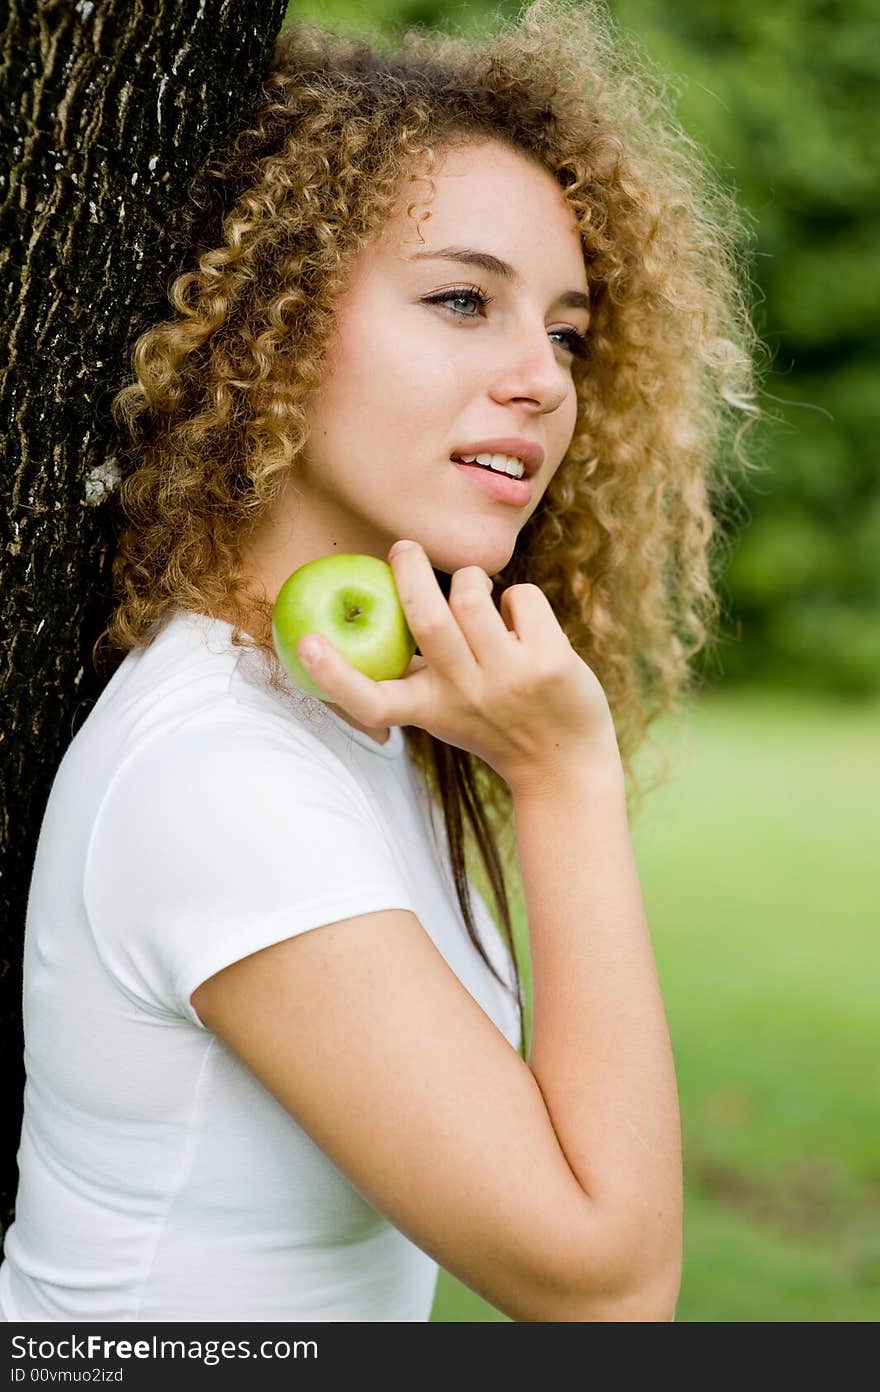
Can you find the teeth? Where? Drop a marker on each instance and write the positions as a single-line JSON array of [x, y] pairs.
[[501, 463]]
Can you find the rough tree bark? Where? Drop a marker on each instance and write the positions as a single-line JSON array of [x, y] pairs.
[[110, 108]]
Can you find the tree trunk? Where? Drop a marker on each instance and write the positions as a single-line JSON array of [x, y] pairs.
[[111, 108]]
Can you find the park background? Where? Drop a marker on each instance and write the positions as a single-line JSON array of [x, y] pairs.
[[756, 856]]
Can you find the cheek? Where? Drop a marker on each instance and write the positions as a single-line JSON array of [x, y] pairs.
[[411, 370], [386, 380], [382, 368], [397, 391]]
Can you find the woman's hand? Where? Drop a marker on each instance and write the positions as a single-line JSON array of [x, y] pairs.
[[505, 686]]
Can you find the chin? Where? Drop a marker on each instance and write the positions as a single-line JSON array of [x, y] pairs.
[[490, 557]]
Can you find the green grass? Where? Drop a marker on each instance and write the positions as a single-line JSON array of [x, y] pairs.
[[759, 867]]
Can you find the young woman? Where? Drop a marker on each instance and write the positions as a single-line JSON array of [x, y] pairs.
[[276, 1062]]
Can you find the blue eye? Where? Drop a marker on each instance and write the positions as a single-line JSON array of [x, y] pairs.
[[465, 293], [570, 339], [576, 343]]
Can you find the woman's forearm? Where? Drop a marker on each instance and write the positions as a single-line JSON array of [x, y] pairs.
[[600, 1050]]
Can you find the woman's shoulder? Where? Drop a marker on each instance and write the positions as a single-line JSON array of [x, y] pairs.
[[191, 678], [183, 718]]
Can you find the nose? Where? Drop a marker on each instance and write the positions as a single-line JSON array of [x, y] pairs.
[[529, 370]]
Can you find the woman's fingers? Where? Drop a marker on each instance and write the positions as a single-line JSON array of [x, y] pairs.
[[437, 634], [461, 643], [416, 664], [394, 702], [527, 611], [470, 599]]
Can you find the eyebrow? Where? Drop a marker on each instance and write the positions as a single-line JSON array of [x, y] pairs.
[[468, 256]]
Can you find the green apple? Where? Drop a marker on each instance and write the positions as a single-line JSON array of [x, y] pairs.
[[353, 601]]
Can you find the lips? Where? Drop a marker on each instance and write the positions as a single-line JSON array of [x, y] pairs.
[[501, 487], [529, 451]]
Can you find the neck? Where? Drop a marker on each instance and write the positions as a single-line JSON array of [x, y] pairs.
[[380, 735]]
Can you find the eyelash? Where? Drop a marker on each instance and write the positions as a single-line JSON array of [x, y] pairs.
[[577, 343]]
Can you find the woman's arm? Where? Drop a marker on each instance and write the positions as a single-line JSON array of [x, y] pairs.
[[600, 1049], [553, 1190]]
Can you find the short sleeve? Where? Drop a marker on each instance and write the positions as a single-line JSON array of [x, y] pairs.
[[216, 840]]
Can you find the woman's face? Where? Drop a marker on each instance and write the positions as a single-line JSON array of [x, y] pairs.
[[419, 370]]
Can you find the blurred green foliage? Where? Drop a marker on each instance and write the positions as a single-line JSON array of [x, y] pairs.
[[783, 98]]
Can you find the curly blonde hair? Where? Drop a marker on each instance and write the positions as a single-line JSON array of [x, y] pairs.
[[625, 542]]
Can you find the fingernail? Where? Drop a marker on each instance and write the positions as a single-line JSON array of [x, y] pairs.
[[310, 649], [398, 547]]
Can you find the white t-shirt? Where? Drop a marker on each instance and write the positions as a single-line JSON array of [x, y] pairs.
[[197, 817]]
